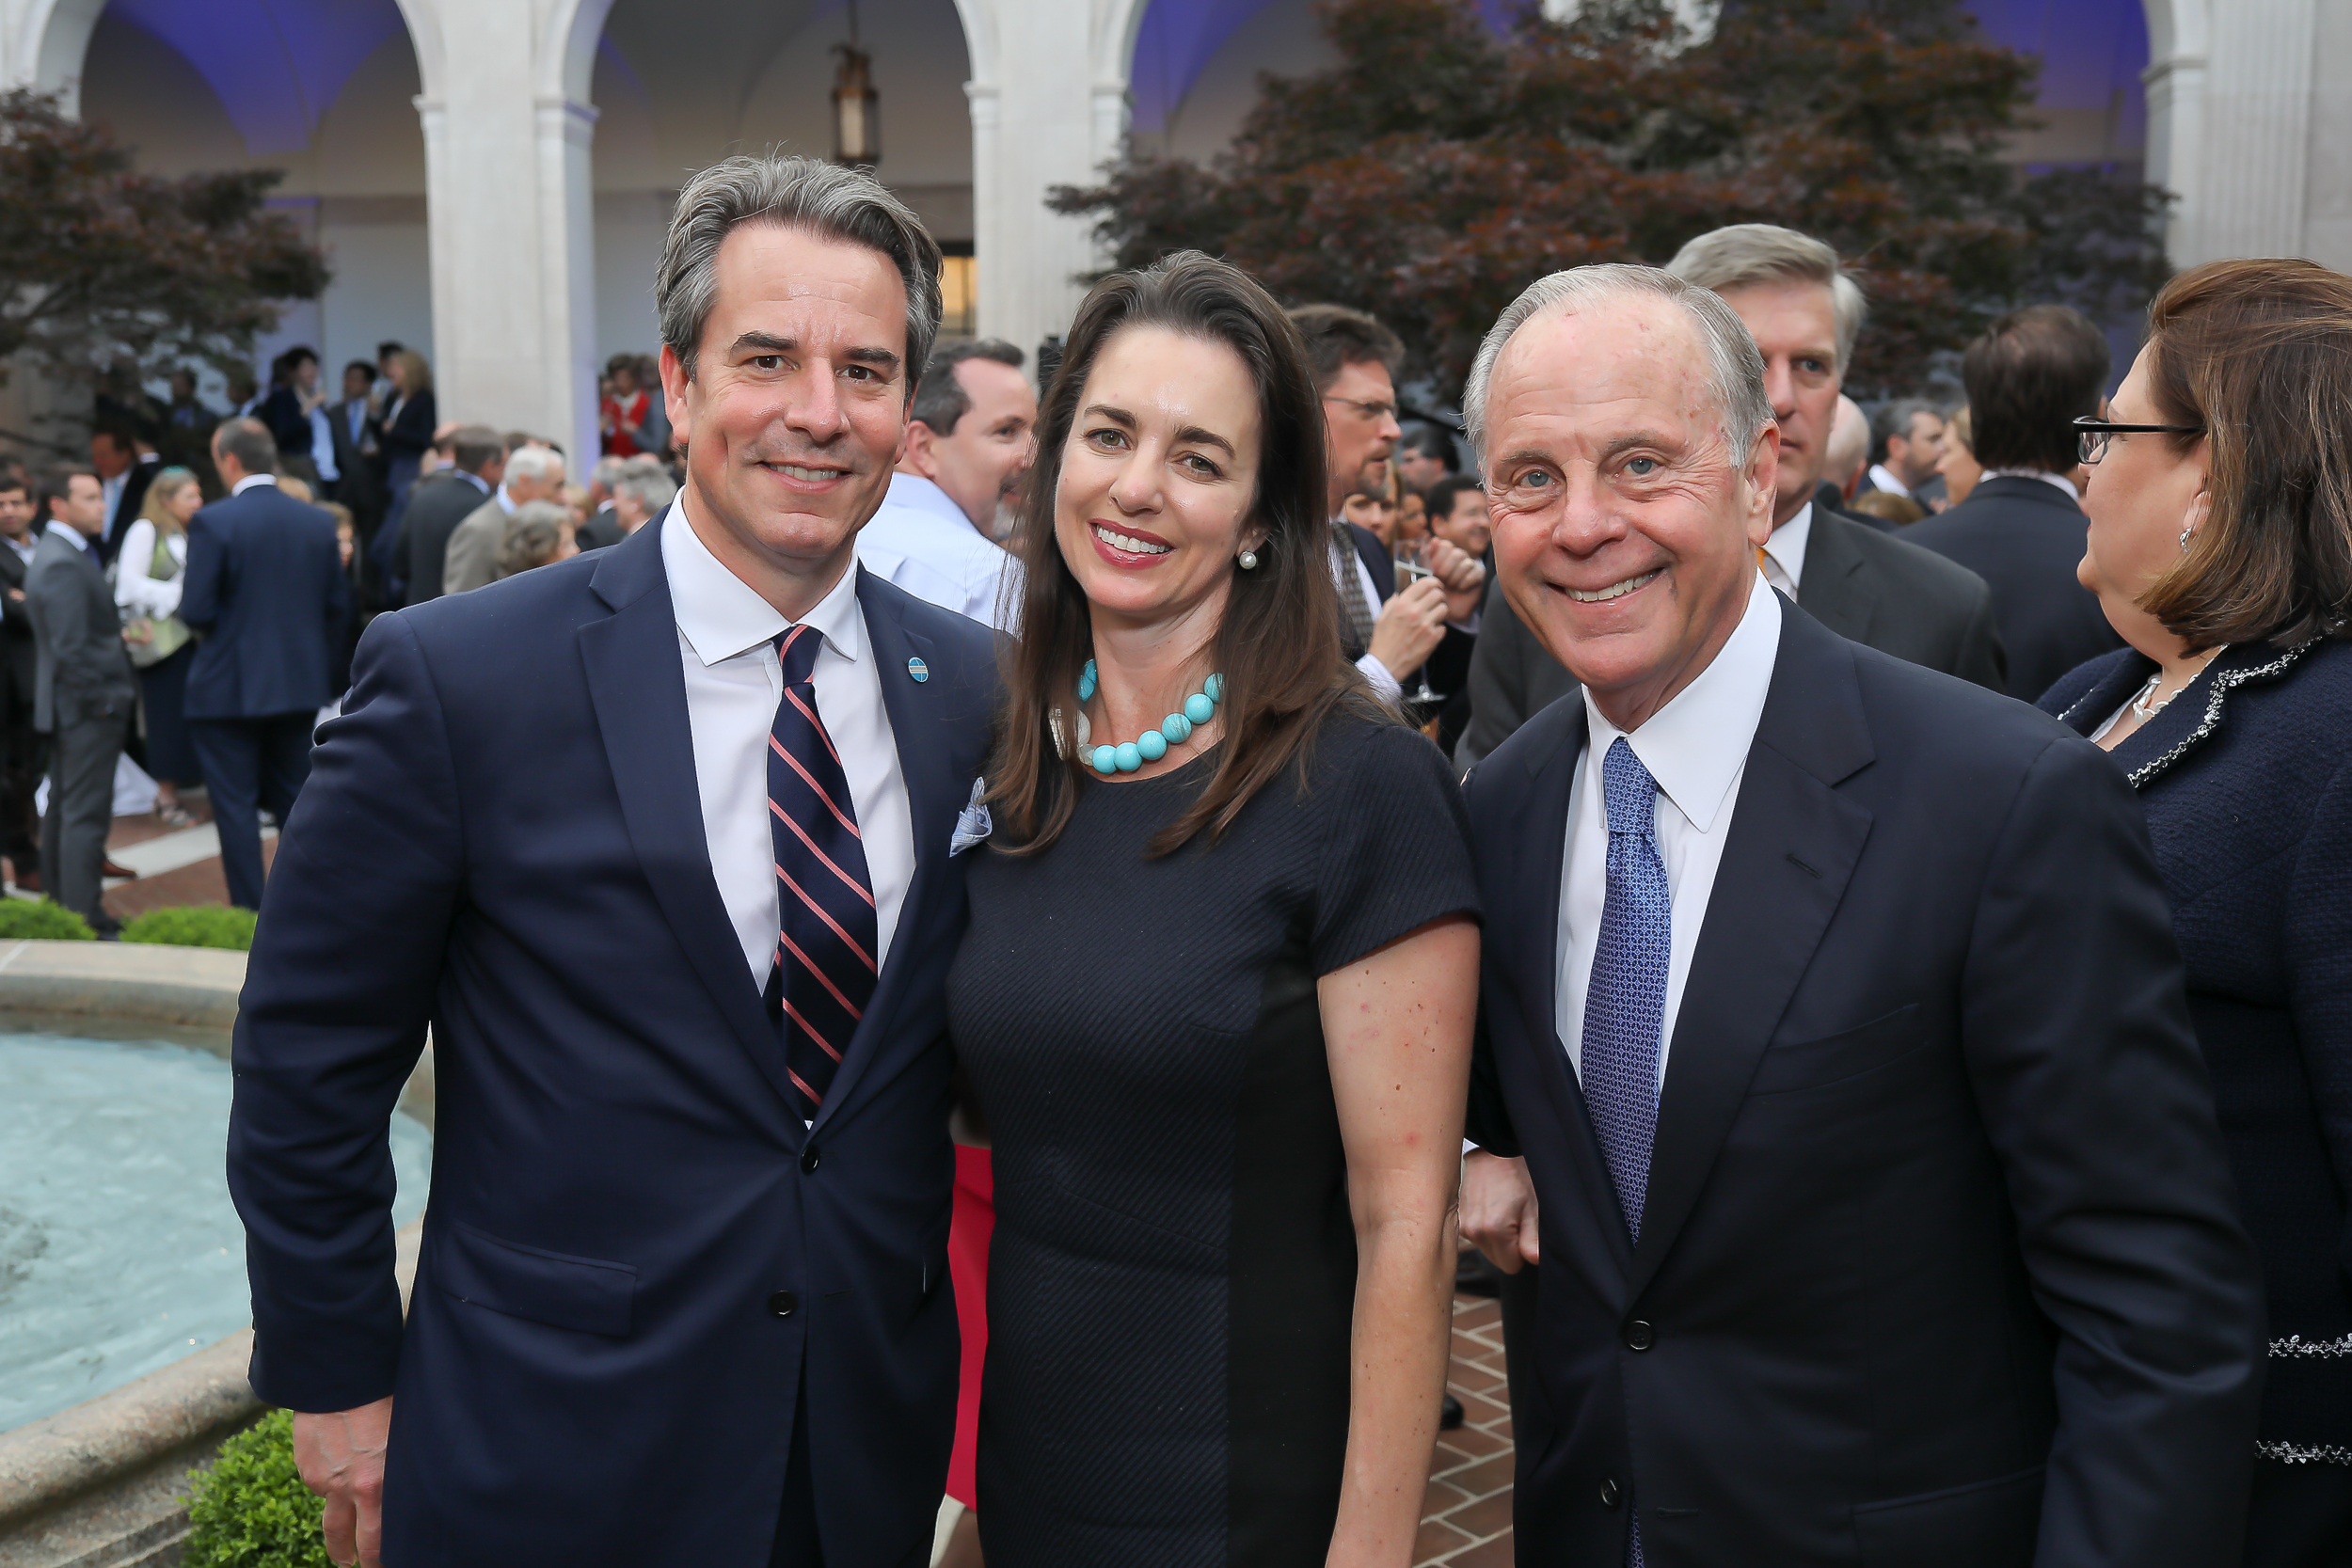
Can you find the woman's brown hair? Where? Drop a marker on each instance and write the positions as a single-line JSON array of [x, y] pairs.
[[1279, 644], [2257, 356]]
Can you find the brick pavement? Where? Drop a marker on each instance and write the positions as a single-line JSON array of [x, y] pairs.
[[1466, 1520]]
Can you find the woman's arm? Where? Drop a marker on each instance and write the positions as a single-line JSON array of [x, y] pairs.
[[134, 588], [1397, 1026]]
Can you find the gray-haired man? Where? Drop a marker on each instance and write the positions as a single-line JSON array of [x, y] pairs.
[[656, 840]]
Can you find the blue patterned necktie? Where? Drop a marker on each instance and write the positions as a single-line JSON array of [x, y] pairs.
[[825, 952], [1625, 1005]]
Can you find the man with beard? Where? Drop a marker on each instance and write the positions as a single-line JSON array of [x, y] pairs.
[[970, 435]]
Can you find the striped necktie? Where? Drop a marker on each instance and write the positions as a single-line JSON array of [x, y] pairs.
[[827, 947], [1353, 603]]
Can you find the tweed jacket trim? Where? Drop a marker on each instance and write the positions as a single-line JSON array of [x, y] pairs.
[[2223, 681]]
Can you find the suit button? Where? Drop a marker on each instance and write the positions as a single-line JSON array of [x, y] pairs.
[[783, 1303], [1609, 1496], [1639, 1335], [810, 1160]]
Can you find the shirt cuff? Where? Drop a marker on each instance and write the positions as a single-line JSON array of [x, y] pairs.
[[1388, 687]]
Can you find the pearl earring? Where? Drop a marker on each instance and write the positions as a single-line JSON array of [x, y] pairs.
[[1247, 560]]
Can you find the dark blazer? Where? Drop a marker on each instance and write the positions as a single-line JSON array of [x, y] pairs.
[[17, 649], [2247, 778], [2024, 537], [265, 585], [1881, 591], [282, 412], [409, 432], [359, 465], [141, 474], [636, 1255], [436, 507], [1939, 1265], [84, 670]]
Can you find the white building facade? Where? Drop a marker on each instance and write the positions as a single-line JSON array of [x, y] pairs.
[[491, 177]]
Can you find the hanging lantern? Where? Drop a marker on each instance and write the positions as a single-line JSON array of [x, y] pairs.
[[856, 106]]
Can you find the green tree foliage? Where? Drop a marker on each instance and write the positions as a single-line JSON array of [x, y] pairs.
[[194, 925], [42, 919], [103, 268], [250, 1508], [1437, 169]]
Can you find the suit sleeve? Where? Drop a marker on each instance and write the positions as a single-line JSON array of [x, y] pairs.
[[1980, 658], [1486, 1120], [2319, 978], [1498, 681], [2095, 1099], [337, 998], [199, 599]]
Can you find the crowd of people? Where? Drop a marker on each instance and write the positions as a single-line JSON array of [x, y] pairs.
[[1900, 1121]]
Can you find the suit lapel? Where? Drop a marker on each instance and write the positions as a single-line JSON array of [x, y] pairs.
[[1834, 591], [933, 799], [1793, 844], [638, 687]]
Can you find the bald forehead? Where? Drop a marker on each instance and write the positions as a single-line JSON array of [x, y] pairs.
[[1635, 350]]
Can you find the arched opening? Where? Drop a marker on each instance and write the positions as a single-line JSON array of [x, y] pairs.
[[322, 89], [668, 103]]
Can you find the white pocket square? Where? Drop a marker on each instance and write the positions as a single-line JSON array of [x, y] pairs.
[[972, 823]]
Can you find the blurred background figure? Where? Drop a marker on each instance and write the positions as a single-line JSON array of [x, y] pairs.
[[1849, 451], [126, 463], [150, 571], [540, 532], [2221, 548], [439, 503], [533, 472], [1958, 467], [20, 664], [405, 431], [1424, 456], [2029, 376], [1372, 506], [1906, 441]]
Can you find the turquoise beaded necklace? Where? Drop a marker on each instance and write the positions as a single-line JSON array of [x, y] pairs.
[[1150, 745]]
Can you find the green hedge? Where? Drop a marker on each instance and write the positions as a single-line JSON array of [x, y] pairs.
[[46, 919], [196, 926], [250, 1508]]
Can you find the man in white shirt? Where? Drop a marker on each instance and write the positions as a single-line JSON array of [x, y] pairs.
[[1859, 1223], [1909, 436], [657, 841], [971, 436]]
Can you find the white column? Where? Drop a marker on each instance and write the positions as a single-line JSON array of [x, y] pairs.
[[2256, 134], [1037, 122], [2176, 125], [567, 219]]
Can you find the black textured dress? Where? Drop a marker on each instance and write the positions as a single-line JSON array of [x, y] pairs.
[[1173, 1269]]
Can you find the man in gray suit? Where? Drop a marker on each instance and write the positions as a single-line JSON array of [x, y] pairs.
[[1868, 586], [83, 691], [534, 473]]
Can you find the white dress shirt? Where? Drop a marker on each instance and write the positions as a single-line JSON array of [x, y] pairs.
[[1345, 559], [135, 586], [1882, 478], [1696, 747], [2042, 474], [249, 480], [726, 639], [921, 541], [1784, 552]]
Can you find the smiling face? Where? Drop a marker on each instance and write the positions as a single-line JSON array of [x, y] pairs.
[[1466, 526], [1159, 479], [1795, 326], [796, 409], [980, 462], [1625, 528]]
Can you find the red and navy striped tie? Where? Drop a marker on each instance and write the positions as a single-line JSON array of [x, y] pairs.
[[826, 951]]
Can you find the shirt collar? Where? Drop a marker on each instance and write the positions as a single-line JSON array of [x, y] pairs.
[[922, 495], [473, 479], [1695, 745], [249, 480], [70, 534], [1884, 477], [505, 500], [2042, 474], [1787, 544], [721, 615]]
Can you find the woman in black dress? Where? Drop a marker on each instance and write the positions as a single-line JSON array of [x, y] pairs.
[[1217, 998], [2221, 547]]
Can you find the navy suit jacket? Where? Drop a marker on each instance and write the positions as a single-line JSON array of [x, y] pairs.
[[2024, 537], [1940, 1264], [265, 585], [636, 1257]]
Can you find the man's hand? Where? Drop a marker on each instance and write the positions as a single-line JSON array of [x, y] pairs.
[[341, 1457], [1411, 625], [1499, 1210], [1464, 577]]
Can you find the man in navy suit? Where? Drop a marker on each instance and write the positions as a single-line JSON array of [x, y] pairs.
[[266, 586], [1835, 1008], [658, 842]]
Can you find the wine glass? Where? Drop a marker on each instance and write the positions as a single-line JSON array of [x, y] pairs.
[[1410, 571]]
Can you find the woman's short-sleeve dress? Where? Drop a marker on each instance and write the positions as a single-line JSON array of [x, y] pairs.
[[1173, 1268]]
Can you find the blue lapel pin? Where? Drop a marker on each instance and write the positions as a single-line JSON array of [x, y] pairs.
[[919, 669]]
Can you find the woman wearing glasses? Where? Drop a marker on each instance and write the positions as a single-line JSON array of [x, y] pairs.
[[2221, 547], [1216, 998]]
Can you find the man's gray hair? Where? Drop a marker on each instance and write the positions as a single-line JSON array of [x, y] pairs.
[[1735, 370], [534, 463], [845, 204], [649, 487], [1748, 253]]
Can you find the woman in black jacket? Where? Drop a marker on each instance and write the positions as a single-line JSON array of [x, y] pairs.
[[2221, 547]]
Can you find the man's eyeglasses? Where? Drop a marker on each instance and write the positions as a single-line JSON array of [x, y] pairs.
[[1371, 413], [2090, 435]]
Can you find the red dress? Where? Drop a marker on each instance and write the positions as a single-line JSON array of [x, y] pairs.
[[620, 413], [967, 1266]]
